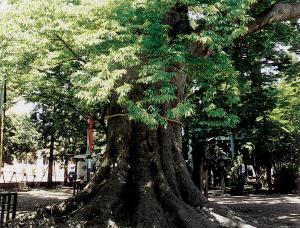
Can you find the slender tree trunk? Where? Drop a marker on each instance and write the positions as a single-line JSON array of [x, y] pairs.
[[51, 160], [198, 164], [196, 167], [66, 162], [232, 144], [201, 171], [205, 183], [3, 102], [223, 183], [269, 176]]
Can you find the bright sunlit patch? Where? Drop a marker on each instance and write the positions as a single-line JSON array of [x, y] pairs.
[[3, 6], [21, 108], [282, 217], [148, 184], [111, 224]]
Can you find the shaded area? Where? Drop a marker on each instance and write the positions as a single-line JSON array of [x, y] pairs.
[[280, 210], [29, 200]]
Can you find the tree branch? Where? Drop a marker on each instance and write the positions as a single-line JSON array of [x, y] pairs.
[[80, 59], [65, 61], [278, 12], [61, 101]]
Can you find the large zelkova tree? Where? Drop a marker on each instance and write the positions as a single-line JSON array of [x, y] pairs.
[[141, 59]]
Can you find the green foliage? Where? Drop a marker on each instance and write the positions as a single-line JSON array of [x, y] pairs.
[[267, 102], [90, 53], [287, 111], [20, 136], [115, 51], [263, 105]]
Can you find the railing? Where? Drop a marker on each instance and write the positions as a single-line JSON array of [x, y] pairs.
[[8, 207]]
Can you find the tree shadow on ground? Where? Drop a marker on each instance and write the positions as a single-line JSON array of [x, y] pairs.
[[276, 210], [29, 200]]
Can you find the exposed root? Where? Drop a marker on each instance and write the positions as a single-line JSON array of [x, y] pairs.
[[144, 183], [190, 193], [84, 197], [185, 215], [104, 206], [149, 212]]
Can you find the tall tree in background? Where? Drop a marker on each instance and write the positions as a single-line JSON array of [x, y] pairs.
[[20, 137], [261, 62], [56, 115], [140, 62]]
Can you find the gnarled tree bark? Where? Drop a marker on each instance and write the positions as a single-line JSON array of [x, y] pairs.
[[146, 182]]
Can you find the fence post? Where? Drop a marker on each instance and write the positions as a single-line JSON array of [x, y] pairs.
[[7, 201], [8, 206], [3, 199], [14, 205]]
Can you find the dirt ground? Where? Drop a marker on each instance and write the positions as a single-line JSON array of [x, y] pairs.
[[29, 200], [256, 210], [276, 210]]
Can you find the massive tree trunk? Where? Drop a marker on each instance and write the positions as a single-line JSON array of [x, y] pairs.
[[143, 181]]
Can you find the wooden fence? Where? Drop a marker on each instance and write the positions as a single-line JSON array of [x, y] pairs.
[[8, 207]]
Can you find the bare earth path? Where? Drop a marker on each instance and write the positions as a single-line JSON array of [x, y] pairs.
[[28, 200], [264, 211], [276, 210]]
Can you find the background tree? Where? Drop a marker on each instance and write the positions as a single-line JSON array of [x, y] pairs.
[[20, 137], [236, 104], [262, 61], [58, 116]]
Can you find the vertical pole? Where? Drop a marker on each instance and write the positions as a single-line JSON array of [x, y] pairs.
[[2, 107], [14, 205], [75, 180], [3, 208], [89, 145], [91, 128], [66, 161], [51, 160], [232, 145], [8, 207], [87, 155]]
